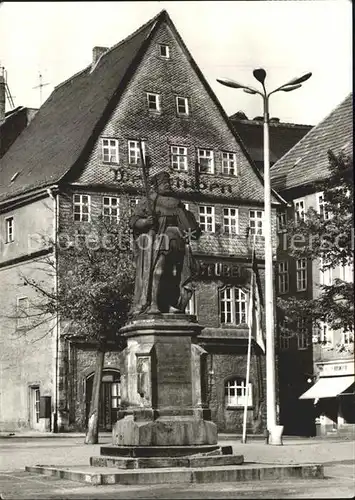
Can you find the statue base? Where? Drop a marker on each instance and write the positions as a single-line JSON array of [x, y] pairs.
[[162, 387]]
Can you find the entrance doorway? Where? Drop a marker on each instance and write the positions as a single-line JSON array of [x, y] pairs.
[[110, 398], [34, 407]]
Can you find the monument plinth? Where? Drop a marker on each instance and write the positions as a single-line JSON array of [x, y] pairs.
[[163, 398]]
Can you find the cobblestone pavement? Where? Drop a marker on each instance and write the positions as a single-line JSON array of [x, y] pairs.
[[16, 453]]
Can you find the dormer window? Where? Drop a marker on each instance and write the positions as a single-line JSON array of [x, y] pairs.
[[153, 102], [164, 51], [110, 152]]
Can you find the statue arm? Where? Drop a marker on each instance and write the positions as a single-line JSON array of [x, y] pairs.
[[141, 220]]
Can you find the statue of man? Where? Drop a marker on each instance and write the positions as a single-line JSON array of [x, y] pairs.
[[162, 229]]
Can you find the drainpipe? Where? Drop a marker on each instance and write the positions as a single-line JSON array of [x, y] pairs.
[[55, 198]]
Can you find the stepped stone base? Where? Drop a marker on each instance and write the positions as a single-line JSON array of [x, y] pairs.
[[216, 474], [163, 451], [173, 431], [166, 462]]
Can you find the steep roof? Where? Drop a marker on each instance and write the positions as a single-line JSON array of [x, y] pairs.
[[307, 161], [14, 123], [64, 130], [283, 136], [57, 136]]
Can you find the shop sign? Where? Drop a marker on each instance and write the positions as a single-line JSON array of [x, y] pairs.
[[336, 369], [222, 270]]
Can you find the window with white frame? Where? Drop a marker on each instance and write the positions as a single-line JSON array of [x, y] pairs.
[[182, 105], [229, 163], [205, 160], [302, 334], [134, 152], [347, 338], [164, 51], [153, 101], [320, 207], [230, 220], [235, 393], [256, 219], [233, 306], [301, 275], [22, 312], [178, 156], [9, 229], [191, 305], [281, 222], [299, 206], [207, 218], [81, 207], [326, 273], [111, 208], [110, 153], [283, 277]]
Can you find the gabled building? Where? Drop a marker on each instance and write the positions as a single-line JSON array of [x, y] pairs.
[[321, 356], [283, 136], [12, 122], [79, 156]]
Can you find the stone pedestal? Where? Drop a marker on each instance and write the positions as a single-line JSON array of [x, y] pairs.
[[163, 397]]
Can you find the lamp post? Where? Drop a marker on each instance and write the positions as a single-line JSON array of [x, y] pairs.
[[295, 83]]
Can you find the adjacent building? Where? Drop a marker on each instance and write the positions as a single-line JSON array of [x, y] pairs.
[[315, 356], [283, 136], [79, 158]]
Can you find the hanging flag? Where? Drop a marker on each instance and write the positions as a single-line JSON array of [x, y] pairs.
[[255, 306]]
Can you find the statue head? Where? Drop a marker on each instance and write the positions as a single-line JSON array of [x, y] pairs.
[[161, 182]]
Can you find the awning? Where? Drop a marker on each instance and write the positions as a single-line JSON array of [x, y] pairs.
[[328, 387]]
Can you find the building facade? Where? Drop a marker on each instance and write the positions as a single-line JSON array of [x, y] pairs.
[[80, 158], [317, 355]]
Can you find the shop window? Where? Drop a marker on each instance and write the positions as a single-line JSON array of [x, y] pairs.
[[235, 393]]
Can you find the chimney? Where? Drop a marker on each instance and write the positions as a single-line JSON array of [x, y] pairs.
[[97, 53], [2, 95]]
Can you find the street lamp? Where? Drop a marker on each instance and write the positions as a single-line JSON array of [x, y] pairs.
[[295, 83]]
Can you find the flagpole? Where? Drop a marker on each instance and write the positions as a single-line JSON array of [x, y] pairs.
[[250, 322]]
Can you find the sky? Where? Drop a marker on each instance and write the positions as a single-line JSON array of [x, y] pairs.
[[227, 39]]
